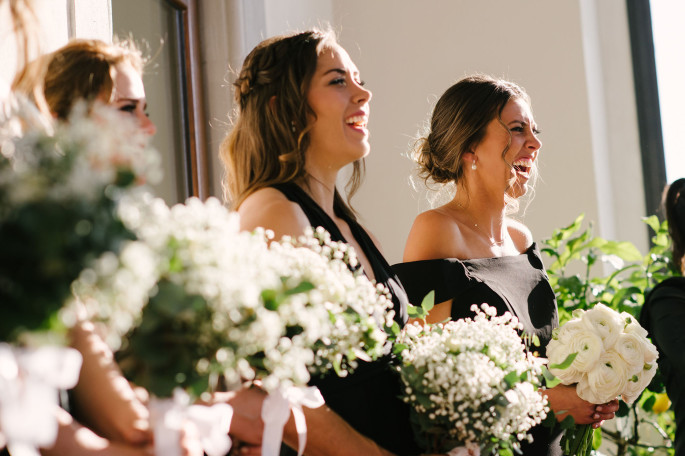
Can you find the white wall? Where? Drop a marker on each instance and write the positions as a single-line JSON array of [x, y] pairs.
[[59, 20]]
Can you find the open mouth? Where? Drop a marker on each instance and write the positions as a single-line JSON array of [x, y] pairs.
[[523, 167], [357, 121]]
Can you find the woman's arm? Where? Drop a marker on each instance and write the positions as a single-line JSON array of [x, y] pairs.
[[103, 398]]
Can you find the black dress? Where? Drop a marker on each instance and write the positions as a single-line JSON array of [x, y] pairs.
[[517, 284], [663, 315], [368, 399]]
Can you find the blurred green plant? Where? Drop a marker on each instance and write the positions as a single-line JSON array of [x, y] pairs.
[[621, 284]]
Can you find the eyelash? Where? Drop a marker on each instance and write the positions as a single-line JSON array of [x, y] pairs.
[[343, 81], [128, 108], [520, 130]]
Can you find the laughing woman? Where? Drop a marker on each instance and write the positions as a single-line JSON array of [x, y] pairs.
[[483, 139], [303, 112]]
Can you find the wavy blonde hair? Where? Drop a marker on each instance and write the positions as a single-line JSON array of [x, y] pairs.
[[271, 131]]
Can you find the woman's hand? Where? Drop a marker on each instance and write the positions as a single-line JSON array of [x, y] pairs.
[[564, 401], [247, 425]]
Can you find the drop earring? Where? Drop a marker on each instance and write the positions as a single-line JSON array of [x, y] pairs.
[[473, 164]]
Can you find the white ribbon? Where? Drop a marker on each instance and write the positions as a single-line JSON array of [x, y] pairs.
[[470, 449], [276, 411], [29, 384], [170, 414]]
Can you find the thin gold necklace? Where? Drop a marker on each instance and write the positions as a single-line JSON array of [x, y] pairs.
[[491, 240]]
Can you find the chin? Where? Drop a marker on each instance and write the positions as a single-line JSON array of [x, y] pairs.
[[517, 190]]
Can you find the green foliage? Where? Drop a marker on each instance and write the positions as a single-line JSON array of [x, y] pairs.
[[426, 305], [621, 284]]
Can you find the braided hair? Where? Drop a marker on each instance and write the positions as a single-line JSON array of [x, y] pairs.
[[270, 134]]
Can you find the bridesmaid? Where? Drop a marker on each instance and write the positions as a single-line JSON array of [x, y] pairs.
[[484, 140], [109, 415], [303, 114]]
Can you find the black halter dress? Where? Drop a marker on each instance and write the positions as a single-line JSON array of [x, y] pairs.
[[368, 399], [517, 284]]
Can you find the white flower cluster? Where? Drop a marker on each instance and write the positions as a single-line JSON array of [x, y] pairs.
[[279, 310], [71, 160], [472, 379], [614, 357]]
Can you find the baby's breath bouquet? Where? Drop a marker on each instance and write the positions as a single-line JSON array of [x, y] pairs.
[[59, 187], [198, 300], [471, 383], [606, 355], [60, 183]]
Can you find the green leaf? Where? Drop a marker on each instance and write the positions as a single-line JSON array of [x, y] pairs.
[[653, 222], [566, 363], [624, 250], [415, 312], [303, 287], [511, 379], [428, 301], [648, 404]]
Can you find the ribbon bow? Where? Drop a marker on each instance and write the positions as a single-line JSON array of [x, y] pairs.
[[275, 413], [29, 383], [170, 414]]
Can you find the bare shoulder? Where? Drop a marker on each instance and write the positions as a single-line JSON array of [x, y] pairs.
[[520, 234], [433, 235], [270, 209]]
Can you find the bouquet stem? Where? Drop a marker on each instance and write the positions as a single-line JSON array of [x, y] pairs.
[[577, 441]]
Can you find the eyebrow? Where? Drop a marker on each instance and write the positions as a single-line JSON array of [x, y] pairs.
[[340, 71], [128, 100]]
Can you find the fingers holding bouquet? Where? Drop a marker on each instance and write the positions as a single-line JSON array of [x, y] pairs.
[[564, 401]]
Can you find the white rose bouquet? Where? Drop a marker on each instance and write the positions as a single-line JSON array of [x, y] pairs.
[[606, 355], [471, 383]]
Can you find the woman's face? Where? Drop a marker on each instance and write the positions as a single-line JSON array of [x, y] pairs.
[[339, 133], [512, 173], [129, 96]]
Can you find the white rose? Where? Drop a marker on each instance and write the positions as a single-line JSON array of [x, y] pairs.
[[606, 323], [557, 353], [589, 347], [606, 381], [630, 347], [632, 326], [638, 383]]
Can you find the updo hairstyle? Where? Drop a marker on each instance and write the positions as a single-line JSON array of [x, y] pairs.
[[459, 123]]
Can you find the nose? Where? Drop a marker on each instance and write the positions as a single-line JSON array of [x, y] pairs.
[[362, 95], [146, 124], [534, 142]]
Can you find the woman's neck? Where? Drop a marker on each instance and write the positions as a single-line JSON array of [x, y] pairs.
[[321, 189], [483, 212]]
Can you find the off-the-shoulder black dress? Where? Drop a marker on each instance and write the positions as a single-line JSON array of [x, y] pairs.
[[517, 284], [368, 399]]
